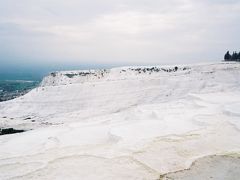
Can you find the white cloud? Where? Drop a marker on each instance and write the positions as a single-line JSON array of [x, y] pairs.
[[119, 32]]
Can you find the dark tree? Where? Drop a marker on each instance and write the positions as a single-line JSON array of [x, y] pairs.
[[239, 56], [227, 56], [235, 56]]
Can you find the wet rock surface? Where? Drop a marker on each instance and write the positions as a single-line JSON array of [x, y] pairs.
[[210, 167]]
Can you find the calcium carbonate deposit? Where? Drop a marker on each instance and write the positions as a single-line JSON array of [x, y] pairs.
[[156, 122]]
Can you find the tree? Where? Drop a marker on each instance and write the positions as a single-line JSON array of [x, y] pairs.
[[234, 56], [238, 56], [227, 56]]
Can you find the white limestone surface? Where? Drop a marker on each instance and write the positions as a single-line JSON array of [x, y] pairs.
[[122, 123]]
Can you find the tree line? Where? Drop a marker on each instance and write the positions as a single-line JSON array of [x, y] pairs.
[[232, 57]]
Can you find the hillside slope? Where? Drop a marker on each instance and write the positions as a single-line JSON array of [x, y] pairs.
[[122, 123]]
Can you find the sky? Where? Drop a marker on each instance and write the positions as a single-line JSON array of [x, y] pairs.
[[99, 33]]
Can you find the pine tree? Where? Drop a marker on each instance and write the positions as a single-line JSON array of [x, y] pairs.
[[227, 56], [234, 56], [238, 59]]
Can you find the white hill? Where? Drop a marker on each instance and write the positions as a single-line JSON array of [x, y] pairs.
[[124, 123]]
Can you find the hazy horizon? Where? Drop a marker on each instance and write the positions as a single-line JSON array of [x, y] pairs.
[[38, 71], [42, 36]]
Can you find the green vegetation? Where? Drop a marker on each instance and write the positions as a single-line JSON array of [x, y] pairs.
[[10, 131], [232, 57]]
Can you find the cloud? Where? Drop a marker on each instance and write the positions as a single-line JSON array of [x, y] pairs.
[[119, 32]]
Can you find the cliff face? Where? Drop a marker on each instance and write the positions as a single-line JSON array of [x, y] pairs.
[[71, 77]]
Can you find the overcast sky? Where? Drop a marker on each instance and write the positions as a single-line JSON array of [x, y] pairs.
[[117, 32]]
